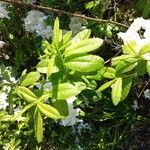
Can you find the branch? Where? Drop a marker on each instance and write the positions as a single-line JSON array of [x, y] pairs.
[[64, 12]]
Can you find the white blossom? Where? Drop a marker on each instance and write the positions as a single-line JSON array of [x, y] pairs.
[[2, 44], [132, 35], [35, 22], [147, 93], [16, 111], [71, 119], [3, 12], [77, 24], [135, 105], [3, 102], [83, 126]]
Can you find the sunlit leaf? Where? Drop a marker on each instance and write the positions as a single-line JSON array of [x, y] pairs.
[[26, 94], [62, 107], [67, 90], [105, 86], [148, 67], [145, 49], [38, 125], [85, 34], [30, 78], [108, 72], [85, 63], [48, 110], [83, 46], [42, 66], [126, 86], [116, 91]]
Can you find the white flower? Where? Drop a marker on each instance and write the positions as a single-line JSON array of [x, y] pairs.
[[71, 118], [132, 35], [135, 106], [32, 19], [3, 103], [16, 111], [77, 24], [147, 93], [2, 44], [83, 126], [3, 12], [35, 22]]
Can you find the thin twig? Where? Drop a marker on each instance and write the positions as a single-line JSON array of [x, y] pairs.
[[144, 88], [39, 7]]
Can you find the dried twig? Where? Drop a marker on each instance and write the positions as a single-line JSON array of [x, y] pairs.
[[39, 7]]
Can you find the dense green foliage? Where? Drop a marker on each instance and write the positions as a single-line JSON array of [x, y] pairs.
[[48, 73]]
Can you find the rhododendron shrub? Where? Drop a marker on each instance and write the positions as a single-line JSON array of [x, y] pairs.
[[69, 75]]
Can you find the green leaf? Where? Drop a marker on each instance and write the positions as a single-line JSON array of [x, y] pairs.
[[126, 85], [38, 125], [108, 72], [126, 66], [85, 63], [97, 76], [116, 91], [57, 33], [26, 94], [83, 46], [30, 78], [48, 110], [85, 34], [146, 10], [130, 48], [67, 90], [42, 66], [148, 67], [50, 66], [105, 86], [89, 5], [118, 59], [66, 37], [145, 49], [62, 107], [141, 68]]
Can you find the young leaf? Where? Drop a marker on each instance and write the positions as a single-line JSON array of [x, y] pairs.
[[126, 85], [57, 33], [85, 34], [83, 46], [48, 110], [116, 91], [66, 90], [50, 66], [66, 37], [62, 107], [42, 66], [148, 67], [85, 63], [126, 66], [38, 125], [30, 78], [105, 86], [145, 49], [26, 94], [108, 72], [140, 69], [130, 48], [118, 59]]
